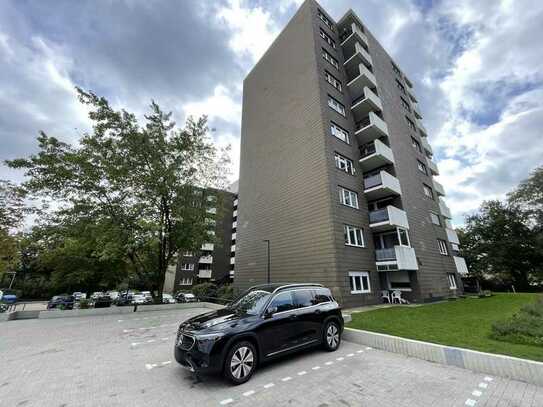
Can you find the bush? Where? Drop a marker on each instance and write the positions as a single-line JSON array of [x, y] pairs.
[[525, 327], [226, 292], [204, 290], [84, 304]]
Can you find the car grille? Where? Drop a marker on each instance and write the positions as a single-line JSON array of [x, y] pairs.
[[185, 342]]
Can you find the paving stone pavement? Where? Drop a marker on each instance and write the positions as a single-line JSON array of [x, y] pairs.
[[120, 360]]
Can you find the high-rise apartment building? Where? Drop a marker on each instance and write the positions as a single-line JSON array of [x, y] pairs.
[[337, 172]]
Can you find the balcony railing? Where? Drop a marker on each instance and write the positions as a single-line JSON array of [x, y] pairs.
[[432, 166], [378, 216], [452, 236], [367, 102], [389, 217], [206, 259], [208, 246], [426, 145], [444, 209], [347, 34], [385, 254], [381, 185], [374, 155], [439, 188], [404, 257], [204, 273]]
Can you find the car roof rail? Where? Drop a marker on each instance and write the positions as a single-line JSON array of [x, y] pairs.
[[296, 285]]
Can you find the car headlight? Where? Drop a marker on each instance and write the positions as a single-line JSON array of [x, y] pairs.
[[205, 342]]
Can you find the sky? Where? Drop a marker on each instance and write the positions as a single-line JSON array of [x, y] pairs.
[[476, 66]]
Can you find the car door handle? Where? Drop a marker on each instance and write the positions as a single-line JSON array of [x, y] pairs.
[[293, 316]]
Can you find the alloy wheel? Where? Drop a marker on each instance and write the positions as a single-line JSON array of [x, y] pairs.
[[332, 336], [242, 362]]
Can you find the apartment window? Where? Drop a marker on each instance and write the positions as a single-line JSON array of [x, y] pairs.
[[405, 105], [410, 123], [326, 55], [416, 145], [396, 69], [452, 281], [344, 164], [187, 267], [442, 244], [455, 247], [332, 80], [403, 237], [348, 197], [325, 20], [327, 38], [185, 281], [422, 167], [339, 132], [435, 219], [401, 87], [353, 236], [336, 105], [428, 191], [187, 254], [359, 282]]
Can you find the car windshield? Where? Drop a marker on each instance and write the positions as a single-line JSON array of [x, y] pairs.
[[251, 303]]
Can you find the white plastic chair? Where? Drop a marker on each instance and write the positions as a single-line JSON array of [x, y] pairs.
[[385, 295], [397, 297]]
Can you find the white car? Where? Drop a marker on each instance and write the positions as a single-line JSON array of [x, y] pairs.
[[113, 295], [139, 299], [97, 294], [168, 299]]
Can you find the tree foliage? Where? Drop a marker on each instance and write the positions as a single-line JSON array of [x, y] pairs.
[[139, 190], [12, 210]]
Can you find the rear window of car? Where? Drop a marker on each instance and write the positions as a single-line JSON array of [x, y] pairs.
[[283, 302], [322, 295], [303, 298]]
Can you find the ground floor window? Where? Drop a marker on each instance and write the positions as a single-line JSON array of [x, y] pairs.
[[359, 282], [186, 281], [399, 280], [452, 281]]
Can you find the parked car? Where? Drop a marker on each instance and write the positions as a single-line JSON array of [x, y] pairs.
[[186, 297], [139, 299], [62, 301], [148, 297], [265, 322], [113, 295], [8, 296], [168, 299], [96, 294], [79, 296], [124, 299], [103, 301]]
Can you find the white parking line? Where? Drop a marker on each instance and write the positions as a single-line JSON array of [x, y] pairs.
[[350, 355], [470, 402], [249, 393], [120, 320], [226, 401], [267, 386], [359, 351], [286, 379], [339, 359], [166, 363], [316, 367], [488, 379], [329, 363], [476, 393], [483, 385], [302, 373], [368, 348]]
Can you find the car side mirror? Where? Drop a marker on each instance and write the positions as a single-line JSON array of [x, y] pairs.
[[270, 311]]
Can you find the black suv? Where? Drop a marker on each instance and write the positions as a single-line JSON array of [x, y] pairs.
[[265, 322]]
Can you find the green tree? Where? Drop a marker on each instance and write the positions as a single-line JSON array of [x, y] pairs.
[[498, 243], [12, 210], [529, 195], [145, 185]]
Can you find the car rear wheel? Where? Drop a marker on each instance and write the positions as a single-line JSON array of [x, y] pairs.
[[240, 362], [332, 336]]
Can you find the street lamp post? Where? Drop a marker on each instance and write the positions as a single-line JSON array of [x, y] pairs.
[[268, 251]]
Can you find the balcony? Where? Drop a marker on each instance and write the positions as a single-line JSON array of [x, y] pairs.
[[366, 103], [452, 236], [232, 260], [425, 145], [461, 266], [362, 77], [388, 218], [206, 260], [355, 56], [375, 155], [432, 166], [416, 111], [234, 236], [232, 273], [211, 210], [402, 257], [422, 128], [351, 34], [370, 128], [444, 209], [204, 273], [438, 188], [411, 95], [208, 246], [233, 248], [381, 185], [234, 224]]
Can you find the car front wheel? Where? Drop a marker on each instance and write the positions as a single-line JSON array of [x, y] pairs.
[[240, 362], [332, 336]]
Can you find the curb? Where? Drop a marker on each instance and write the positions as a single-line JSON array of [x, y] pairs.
[[499, 365]]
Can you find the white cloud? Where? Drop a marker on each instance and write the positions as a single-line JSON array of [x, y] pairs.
[[219, 105]]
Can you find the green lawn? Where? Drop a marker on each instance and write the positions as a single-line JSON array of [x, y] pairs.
[[464, 323]]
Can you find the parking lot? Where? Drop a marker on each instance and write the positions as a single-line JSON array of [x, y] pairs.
[[128, 360]]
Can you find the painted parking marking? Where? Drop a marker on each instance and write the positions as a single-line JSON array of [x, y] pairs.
[[359, 351], [368, 348], [151, 366], [477, 393], [166, 363], [350, 355], [339, 359], [226, 401], [470, 402], [488, 379], [483, 385], [315, 367], [286, 379], [267, 386], [329, 363], [249, 393], [303, 372]]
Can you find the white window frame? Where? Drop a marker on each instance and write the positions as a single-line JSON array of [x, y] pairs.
[[336, 105], [189, 268], [442, 245], [422, 167], [333, 61], [332, 80], [452, 281], [188, 254], [348, 198], [344, 164], [358, 235], [416, 145], [325, 19], [327, 38], [438, 223], [340, 133], [410, 124], [405, 104], [353, 275], [428, 192]]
